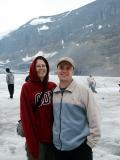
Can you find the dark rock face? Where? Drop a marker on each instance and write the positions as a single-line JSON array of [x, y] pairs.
[[90, 35]]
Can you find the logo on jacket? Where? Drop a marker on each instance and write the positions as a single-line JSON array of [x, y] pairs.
[[46, 99]]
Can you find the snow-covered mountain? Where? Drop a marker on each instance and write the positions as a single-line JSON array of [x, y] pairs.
[[90, 35]]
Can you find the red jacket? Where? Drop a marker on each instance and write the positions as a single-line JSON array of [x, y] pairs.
[[37, 123]]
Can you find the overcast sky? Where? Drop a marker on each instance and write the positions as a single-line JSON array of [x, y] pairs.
[[14, 13]]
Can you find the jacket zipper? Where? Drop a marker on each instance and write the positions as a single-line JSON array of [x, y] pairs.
[[60, 123]]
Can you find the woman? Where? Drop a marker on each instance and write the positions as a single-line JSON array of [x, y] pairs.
[[36, 110]]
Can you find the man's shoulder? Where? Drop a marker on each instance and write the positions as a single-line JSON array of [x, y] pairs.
[[81, 87], [10, 74]]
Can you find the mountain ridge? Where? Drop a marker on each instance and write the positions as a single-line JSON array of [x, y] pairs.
[[90, 35]]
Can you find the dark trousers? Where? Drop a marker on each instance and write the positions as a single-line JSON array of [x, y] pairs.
[[92, 88], [83, 152], [46, 152], [11, 90]]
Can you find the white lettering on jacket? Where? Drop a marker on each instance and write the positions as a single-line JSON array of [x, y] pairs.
[[46, 99]]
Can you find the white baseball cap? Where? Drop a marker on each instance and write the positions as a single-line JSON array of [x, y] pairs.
[[66, 59]]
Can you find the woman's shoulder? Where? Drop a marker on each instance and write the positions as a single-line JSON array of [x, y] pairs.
[[52, 84], [27, 84]]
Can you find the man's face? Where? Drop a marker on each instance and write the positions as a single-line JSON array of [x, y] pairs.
[[65, 71]]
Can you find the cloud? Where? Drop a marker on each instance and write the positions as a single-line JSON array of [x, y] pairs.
[[14, 13]]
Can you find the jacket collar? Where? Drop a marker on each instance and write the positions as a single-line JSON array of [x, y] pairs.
[[70, 88]]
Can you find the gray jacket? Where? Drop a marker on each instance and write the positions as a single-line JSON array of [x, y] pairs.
[[76, 117], [10, 78]]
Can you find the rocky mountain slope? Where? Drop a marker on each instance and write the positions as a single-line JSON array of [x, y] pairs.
[[90, 35]]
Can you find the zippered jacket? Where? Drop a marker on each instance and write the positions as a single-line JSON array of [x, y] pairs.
[[76, 117]]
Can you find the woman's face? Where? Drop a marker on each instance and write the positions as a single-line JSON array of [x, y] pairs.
[[41, 69]]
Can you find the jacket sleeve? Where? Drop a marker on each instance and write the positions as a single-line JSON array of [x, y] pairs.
[[28, 122], [94, 118], [7, 79]]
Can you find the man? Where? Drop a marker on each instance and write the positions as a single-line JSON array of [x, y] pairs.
[[76, 128], [92, 83], [10, 82], [119, 85]]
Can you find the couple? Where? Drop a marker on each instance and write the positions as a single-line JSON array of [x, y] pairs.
[[76, 126]]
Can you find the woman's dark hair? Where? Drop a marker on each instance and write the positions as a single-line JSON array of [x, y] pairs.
[[33, 73], [45, 82], [46, 62]]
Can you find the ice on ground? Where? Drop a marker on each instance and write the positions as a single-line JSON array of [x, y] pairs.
[[108, 96]]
